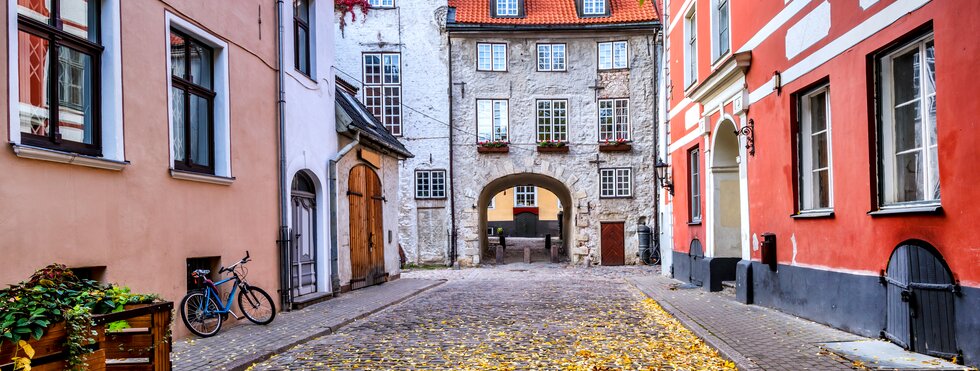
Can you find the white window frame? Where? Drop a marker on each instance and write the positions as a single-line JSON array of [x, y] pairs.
[[507, 10], [497, 54], [110, 73], [616, 128], [428, 191], [520, 191], [392, 122], [927, 150], [594, 7], [493, 203], [548, 55], [719, 49], [613, 55], [616, 182], [808, 187], [548, 128], [222, 122], [694, 183], [498, 117], [382, 3], [691, 47]]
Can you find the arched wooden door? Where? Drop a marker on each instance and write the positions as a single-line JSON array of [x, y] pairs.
[[367, 257], [697, 259], [919, 296], [303, 247]]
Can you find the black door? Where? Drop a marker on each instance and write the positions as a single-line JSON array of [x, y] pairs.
[[697, 258], [919, 298], [526, 225]]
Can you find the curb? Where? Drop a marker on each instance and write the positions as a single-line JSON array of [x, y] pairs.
[[244, 364], [723, 348]]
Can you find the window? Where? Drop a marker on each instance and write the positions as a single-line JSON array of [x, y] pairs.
[[59, 63], [721, 24], [594, 7], [383, 89], [301, 35], [507, 8], [816, 183], [908, 145], [192, 87], [525, 196], [430, 184], [616, 183], [613, 55], [382, 3], [493, 203], [552, 120], [551, 57], [694, 184], [614, 119], [690, 48], [491, 57], [492, 120]]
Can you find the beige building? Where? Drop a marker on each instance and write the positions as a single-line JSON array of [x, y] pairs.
[[524, 211]]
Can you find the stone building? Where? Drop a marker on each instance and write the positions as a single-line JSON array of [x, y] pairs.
[[406, 40], [579, 73]]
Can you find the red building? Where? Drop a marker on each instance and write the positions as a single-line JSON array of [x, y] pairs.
[[807, 142]]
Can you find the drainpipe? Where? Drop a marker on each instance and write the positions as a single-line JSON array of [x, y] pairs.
[[657, 54], [453, 252], [283, 243], [334, 274]]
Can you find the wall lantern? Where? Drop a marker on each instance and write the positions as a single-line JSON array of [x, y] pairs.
[[662, 175], [748, 131]]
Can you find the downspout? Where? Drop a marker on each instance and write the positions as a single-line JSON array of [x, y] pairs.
[[334, 265], [657, 54], [453, 252], [283, 242]]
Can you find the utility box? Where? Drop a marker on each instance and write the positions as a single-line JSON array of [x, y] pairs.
[[769, 250]]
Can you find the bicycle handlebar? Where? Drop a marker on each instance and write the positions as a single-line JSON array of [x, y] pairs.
[[244, 260]]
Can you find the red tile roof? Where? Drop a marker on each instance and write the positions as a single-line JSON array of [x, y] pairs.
[[554, 12]]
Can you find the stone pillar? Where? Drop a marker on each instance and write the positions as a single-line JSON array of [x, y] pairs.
[[527, 254], [500, 255]]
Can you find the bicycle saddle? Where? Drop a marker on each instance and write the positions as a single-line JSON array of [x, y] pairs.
[[200, 272]]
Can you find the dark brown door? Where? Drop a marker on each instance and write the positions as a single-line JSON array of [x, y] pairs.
[[366, 228], [613, 243]]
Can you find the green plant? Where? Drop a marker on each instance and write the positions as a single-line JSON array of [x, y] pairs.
[[552, 143], [492, 144], [617, 141], [54, 294], [500, 231]]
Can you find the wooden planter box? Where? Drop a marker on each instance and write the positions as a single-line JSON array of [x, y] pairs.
[[145, 345], [562, 149], [482, 149], [615, 147]]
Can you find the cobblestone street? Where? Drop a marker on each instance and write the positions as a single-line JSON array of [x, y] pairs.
[[513, 317]]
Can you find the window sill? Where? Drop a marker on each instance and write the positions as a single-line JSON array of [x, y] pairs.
[[694, 223], [44, 154], [814, 214], [910, 209], [615, 197], [627, 147], [621, 69], [203, 178]]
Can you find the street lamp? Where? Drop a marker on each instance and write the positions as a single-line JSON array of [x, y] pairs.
[[662, 175]]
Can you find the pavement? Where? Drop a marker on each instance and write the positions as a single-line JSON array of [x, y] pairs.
[[238, 347]]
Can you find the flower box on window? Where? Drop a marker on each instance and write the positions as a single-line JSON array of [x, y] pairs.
[[495, 146], [618, 145], [553, 146]]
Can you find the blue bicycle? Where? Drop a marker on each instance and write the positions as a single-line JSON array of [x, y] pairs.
[[202, 309]]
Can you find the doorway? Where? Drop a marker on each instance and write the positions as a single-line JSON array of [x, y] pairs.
[[366, 199], [919, 296], [726, 205], [303, 247], [613, 243]]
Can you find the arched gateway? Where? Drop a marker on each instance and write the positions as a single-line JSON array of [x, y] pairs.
[[510, 181]]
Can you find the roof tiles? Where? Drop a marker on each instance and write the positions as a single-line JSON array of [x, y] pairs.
[[554, 12]]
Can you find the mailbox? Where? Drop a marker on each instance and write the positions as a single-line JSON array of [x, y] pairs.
[[769, 250]]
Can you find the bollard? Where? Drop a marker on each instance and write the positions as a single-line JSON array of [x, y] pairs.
[[527, 254], [551, 249], [500, 255]]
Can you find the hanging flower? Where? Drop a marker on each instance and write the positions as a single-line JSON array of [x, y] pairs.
[[345, 7]]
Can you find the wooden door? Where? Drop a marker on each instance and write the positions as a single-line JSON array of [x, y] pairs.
[[526, 225], [697, 271], [920, 293], [613, 243], [366, 227]]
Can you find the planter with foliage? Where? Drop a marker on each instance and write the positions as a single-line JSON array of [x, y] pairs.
[[493, 146], [58, 321], [617, 145], [553, 146]]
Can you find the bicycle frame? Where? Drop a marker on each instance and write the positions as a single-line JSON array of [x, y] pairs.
[[223, 308]]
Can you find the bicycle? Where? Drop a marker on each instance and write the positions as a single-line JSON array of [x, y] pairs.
[[202, 310]]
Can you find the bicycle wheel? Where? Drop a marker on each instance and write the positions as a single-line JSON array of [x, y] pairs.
[[200, 314], [256, 305]]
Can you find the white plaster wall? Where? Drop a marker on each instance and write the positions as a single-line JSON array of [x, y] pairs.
[[414, 29], [522, 85], [311, 135]]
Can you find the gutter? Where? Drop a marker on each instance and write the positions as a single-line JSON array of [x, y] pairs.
[[283, 242], [334, 266], [475, 27], [453, 248]]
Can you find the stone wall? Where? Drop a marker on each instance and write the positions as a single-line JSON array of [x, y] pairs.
[[576, 170], [415, 29]]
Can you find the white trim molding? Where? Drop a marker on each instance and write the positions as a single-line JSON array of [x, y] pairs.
[[203, 178], [44, 154]]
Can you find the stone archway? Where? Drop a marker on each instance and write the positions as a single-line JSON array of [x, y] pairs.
[[543, 181]]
